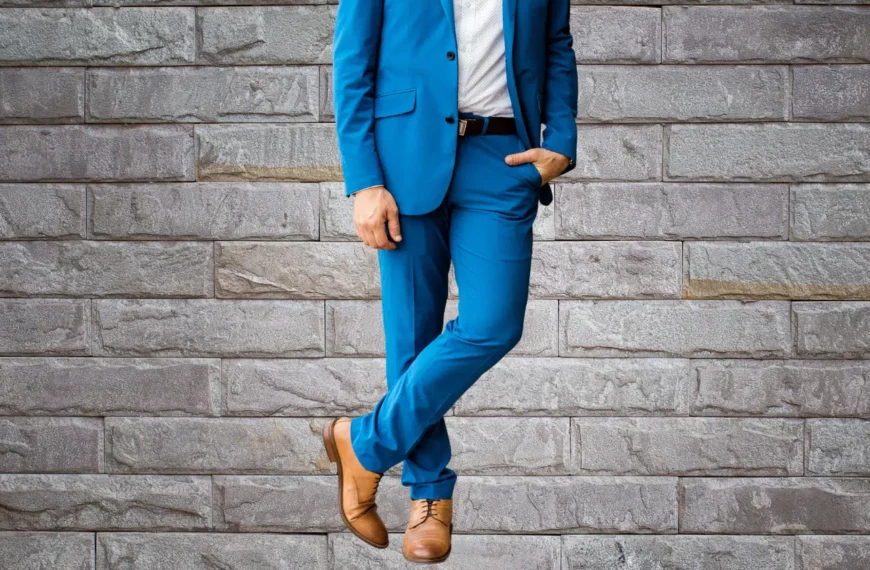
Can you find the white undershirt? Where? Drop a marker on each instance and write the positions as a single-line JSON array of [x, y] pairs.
[[482, 74]]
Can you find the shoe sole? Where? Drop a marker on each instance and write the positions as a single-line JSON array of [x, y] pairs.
[[332, 453]]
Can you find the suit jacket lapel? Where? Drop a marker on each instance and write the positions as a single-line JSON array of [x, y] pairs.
[[509, 11], [448, 11]]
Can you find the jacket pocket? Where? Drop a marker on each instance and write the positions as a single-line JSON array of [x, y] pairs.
[[395, 103]]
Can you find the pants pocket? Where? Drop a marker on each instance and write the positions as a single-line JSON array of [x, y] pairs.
[[533, 174]]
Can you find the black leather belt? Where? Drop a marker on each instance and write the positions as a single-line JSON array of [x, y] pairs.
[[495, 126]]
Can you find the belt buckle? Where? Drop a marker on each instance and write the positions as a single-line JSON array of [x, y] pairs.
[[463, 123]]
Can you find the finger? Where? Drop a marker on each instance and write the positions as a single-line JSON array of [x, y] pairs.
[[364, 234], [520, 157], [393, 224], [381, 239], [370, 238]]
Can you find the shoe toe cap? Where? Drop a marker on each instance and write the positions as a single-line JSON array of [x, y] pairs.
[[372, 527], [426, 549]]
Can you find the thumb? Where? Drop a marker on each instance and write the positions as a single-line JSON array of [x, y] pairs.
[[520, 157], [393, 224]]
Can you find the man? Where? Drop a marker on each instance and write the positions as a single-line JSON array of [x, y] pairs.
[[439, 106]]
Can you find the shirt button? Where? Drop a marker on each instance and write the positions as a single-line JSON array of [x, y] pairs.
[[449, 119], [451, 56]]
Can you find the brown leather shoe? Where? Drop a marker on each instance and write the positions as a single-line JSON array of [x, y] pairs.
[[356, 486], [430, 526]]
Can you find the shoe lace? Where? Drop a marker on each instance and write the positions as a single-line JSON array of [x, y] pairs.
[[376, 480], [431, 507]]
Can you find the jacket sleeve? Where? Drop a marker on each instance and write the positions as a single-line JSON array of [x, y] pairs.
[[356, 41], [559, 108]]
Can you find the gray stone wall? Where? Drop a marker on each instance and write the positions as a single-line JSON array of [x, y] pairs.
[[183, 301]]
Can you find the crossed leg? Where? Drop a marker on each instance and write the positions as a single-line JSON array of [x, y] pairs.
[[485, 227]]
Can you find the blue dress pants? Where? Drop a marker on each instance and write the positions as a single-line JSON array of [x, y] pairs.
[[484, 225]]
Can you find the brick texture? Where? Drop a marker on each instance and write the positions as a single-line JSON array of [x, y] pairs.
[[184, 301]]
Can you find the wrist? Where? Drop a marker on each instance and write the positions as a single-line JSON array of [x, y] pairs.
[[355, 192]]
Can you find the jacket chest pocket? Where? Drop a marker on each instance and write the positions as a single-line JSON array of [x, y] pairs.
[[395, 103]]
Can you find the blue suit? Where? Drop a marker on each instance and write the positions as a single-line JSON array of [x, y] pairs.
[[395, 91], [394, 87]]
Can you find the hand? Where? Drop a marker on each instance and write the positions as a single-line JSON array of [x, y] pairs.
[[548, 162], [373, 207]]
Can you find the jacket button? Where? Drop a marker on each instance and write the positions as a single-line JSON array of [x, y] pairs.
[[451, 56], [450, 119]]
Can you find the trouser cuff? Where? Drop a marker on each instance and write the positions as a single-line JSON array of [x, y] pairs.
[[432, 491]]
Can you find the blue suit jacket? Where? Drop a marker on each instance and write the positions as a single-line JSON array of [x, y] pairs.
[[394, 86]]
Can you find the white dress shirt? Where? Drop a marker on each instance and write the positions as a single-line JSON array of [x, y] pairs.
[[483, 85]]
